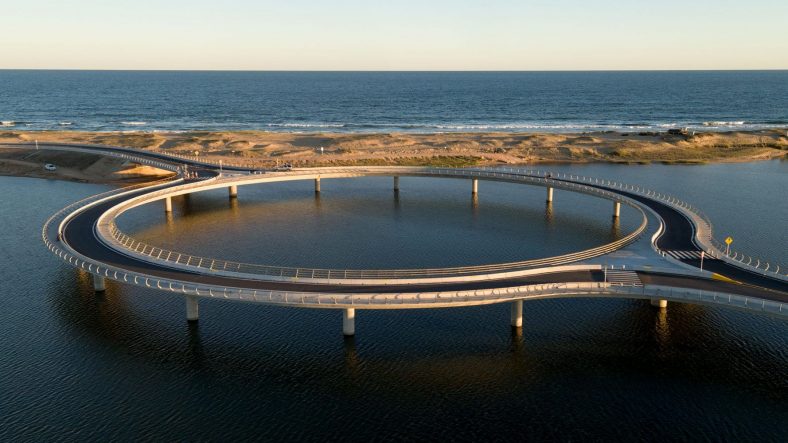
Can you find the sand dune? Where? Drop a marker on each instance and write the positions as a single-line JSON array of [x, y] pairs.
[[75, 167], [263, 149]]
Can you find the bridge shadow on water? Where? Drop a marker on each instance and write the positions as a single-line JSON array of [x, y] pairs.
[[150, 325], [306, 228], [589, 359]]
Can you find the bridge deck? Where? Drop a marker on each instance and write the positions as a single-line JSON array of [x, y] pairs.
[[679, 235], [79, 234]]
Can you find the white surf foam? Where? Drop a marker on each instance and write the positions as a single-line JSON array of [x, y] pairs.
[[724, 123], [305, 125]]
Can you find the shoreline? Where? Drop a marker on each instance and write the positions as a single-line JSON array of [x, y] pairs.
[[263, 149]]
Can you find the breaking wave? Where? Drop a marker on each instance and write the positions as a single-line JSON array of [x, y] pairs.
[[424, 127], [724, 123]]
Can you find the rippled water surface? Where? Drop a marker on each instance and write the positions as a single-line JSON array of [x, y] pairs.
[[392, 101], [125, 365], [362, 223]]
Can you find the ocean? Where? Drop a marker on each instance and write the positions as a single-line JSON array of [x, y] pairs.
[[392, 101]]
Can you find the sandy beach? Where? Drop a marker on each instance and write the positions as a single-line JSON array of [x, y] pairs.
[[268, 149]]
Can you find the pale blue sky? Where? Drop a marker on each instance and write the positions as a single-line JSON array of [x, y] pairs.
[[399, 35]]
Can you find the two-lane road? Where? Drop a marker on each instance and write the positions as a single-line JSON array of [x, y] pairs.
[[79, 234]]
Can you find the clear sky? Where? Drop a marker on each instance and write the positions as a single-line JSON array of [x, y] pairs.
[[394, 35]]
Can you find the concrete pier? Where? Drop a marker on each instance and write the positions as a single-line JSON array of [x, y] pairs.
[[98, 283], [662, 304], [517, 314], [549, 194], [349, 322], [168, 204], [396, 184], [475, 186], [616, 209], [192, 308], [317, 184], [233, 191]]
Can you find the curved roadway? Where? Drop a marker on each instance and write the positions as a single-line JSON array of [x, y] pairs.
[[679, 235], [79, 234]]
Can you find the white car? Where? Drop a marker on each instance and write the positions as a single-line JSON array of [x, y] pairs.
[[50, 167]]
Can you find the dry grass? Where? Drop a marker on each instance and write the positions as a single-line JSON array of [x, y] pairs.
[[263, 149]]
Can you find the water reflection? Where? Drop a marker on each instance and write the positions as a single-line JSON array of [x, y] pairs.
[[69, 355], [615, 228], [169, 222], [258, 352], [375, 230], [662, 329], [351, 356], [548, 213], [680, 333], [195, 350], [517, 345], [235, 211]]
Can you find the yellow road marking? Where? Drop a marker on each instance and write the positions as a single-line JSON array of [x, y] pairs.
[[716, 276]]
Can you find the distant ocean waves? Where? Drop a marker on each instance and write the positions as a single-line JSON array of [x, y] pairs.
[[421, 102], [557, 127]]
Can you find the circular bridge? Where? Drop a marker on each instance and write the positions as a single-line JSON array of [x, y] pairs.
[[671, 255], [113, 237]]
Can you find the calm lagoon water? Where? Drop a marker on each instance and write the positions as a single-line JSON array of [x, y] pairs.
[[125, 365]]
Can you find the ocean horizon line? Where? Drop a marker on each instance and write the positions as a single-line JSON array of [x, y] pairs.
[[369, 71]]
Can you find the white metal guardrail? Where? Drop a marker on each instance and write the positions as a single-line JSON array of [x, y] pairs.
[[700, 221], [114, 237], [397, 300], [711, 245], [417, 300], [119, 151]]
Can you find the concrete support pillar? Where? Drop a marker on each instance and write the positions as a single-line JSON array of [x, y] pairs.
[[396, 184], [168, 204], [475, 186], [98, 283], [233, 191], [317, 184], [192, 308], [616, 209], [517, 313], [549, 194], [662, 304], [349, 322]]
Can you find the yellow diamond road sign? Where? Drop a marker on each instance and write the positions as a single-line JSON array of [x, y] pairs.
[[729, 240]]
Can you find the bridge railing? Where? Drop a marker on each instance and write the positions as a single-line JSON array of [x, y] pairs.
[[106, 151], [713, 247], [216, 163], [64, 212], [702, 223], [704, 234], [396, 300], [211, 265]]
